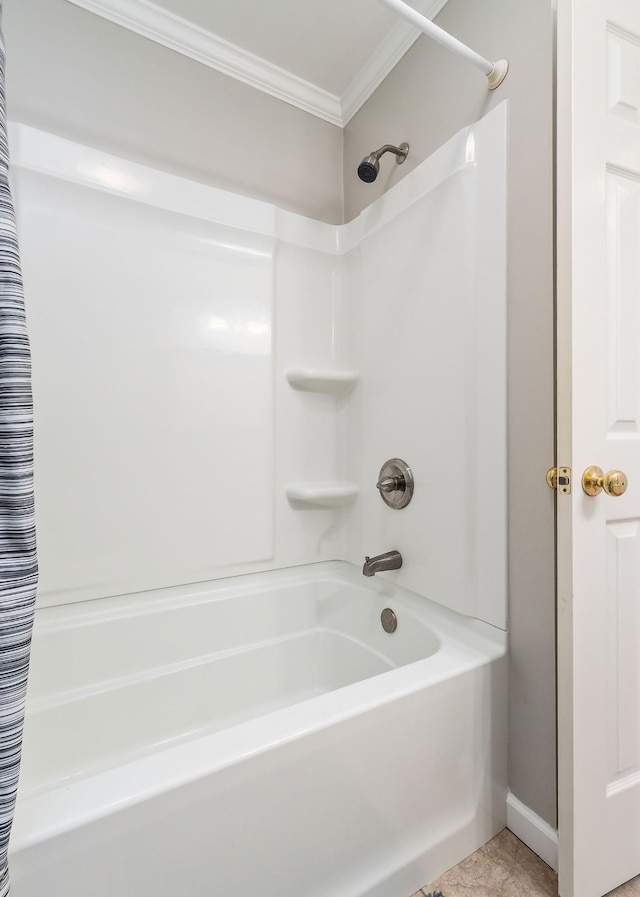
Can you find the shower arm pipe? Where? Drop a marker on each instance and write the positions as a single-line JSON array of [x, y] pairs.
[[496, 72]]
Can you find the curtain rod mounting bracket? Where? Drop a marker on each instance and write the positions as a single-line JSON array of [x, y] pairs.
[[497, 74]]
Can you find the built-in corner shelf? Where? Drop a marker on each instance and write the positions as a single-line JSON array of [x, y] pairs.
[[321, 380], [329, 494]]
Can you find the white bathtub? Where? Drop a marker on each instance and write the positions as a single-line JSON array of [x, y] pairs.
[[259, 735]]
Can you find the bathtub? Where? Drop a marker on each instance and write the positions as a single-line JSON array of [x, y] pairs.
[[261, 734]]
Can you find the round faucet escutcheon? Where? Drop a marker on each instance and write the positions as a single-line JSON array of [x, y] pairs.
[[395, 483]]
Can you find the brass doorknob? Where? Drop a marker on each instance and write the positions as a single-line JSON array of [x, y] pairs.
[[594, 481]]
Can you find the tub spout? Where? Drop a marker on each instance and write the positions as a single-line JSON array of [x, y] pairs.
[[391, 560]]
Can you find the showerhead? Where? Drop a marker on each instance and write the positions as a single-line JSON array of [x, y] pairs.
[[368, 169]]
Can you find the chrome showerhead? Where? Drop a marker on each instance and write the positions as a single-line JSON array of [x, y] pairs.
[[370, 166]]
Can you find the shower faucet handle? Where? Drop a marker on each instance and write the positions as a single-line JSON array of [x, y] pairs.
[[395, 483], [391, 484]]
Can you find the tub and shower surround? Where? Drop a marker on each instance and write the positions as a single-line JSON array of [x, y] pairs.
[[245, 374]]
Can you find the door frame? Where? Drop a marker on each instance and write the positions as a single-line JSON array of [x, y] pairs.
[[563, 415]]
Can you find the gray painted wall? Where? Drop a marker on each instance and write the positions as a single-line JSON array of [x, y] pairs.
[[77, 75], [429, 96]]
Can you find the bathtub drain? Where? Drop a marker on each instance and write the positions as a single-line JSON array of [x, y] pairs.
[[389, 620]]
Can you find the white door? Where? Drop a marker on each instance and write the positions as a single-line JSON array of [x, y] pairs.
[[599, 424]]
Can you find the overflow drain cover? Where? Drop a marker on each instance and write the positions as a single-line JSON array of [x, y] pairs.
[[389, 620]]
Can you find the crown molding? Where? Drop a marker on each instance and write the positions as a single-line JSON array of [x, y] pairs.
[[384, 58], [401, 37], [163, 27]]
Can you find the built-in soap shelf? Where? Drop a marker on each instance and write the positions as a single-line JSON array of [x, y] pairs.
[[329, 494], [322, 380]]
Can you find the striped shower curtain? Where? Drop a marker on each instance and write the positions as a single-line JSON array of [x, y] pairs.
[[18, 564]]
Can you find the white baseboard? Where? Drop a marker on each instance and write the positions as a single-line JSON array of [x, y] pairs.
[[533, 830]]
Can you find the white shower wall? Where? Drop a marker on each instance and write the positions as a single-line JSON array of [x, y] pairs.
[[164, 315], [429, 325], [165, 429]]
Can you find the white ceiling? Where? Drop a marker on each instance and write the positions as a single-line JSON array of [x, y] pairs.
[[325, 56]]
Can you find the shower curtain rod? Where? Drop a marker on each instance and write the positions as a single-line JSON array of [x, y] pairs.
[[496, 72]]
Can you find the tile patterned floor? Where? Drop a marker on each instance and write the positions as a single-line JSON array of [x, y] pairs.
[[505, 867]]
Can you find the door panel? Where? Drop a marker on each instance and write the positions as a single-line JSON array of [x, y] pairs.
[[622, 639], [599, 424]]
